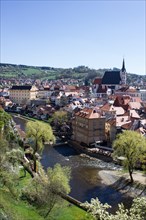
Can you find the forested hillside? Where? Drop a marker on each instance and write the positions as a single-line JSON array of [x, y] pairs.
[[51, 73]]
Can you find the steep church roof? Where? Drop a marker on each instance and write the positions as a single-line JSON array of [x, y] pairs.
[[111, 78], [123, 66], [114, 77]]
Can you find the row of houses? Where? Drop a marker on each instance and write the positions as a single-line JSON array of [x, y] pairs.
[[102, 124], [94, 119]]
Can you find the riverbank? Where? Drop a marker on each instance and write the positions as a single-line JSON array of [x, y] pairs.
[[85, 183], [121, 182], [88, 151]]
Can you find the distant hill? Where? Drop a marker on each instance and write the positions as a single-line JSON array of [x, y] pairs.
[[39, 72], [51, 73]]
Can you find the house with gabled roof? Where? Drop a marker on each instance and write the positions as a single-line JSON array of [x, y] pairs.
[[128, 90], [23, 94], [88, 126], [96, 84], [122, 101]]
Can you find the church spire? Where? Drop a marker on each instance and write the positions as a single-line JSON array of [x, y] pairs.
[[123, 66], [123, 73]]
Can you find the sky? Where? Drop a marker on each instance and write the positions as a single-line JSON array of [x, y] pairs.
[[67, 34]]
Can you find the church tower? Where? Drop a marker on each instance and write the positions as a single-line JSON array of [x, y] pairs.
[[123, 74]]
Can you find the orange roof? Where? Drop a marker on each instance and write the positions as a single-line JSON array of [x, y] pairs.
[[88, 113], [106, 107], [127, 126], [97, 81], [71, 87]]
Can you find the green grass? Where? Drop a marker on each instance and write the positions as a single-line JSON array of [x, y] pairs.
[[20, 210], [30, 71], [23, 180], [68, 212], [9, 74], [17, 210], [123, 171], [28, 118]]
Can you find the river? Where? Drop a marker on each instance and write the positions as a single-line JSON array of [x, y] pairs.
[[85, 182]]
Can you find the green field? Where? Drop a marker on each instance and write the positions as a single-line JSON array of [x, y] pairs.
[[31, 71], [15, 71]]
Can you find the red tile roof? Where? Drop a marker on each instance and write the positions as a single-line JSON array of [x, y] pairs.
[[101, 89], [106, 107], [88, 113], [122, 101], [71, 88], [97, 81], [127, 126]]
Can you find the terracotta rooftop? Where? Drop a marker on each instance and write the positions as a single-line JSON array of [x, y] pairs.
[[70, 88], [106, 107], [122, 101], [101, 89], [88, 113], [97, 81], [127, 126]]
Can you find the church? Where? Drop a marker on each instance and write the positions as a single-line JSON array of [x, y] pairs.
[[115, 79], [111, 80]]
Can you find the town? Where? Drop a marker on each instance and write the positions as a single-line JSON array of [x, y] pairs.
[[72, 110], [96, 113], [85, 121]]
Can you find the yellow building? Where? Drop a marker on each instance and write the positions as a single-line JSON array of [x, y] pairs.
[[22, 94], [88, 126]]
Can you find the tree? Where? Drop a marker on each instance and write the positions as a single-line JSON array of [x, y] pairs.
[[44, 191], [62, 124], [6, 130], [99, 211], [38, 133], [59, 178], [9, 166], [59, 117], [132, 146]]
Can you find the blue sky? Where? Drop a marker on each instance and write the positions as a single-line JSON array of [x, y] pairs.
[[97, 34]]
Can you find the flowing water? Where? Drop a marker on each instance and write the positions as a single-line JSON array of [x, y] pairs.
[[85, 182]]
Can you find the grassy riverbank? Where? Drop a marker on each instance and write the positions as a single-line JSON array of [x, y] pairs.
[[16, 209], [22, 116]]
